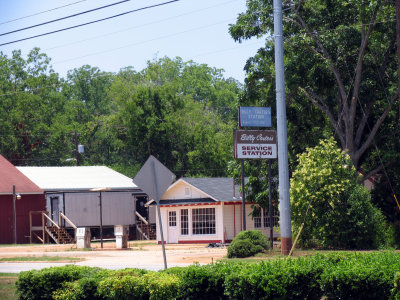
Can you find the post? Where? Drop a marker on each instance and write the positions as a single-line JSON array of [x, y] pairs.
[[15, 214], [243, 197], [101, 222], [271, 228], [284, 198], [159, 213], [76, 149]]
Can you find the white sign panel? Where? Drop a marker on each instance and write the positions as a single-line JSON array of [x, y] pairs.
[[255, 144]]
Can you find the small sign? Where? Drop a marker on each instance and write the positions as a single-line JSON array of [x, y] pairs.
[[254, 116], [253, 144]]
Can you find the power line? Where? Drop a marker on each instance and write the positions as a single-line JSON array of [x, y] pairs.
[[92, 22], [42, 12], [143, 42], [63, 18], [138, 26]]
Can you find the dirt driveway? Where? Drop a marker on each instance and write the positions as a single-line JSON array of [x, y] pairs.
[[138, 254]]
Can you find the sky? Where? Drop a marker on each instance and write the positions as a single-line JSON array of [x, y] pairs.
[[191, 29]]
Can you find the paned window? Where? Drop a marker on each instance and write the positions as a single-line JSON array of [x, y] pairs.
[[172, 218], [257, 217], [184, 222], [203, 220], [275, 218]]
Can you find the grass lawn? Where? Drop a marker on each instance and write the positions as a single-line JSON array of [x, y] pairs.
[[7, 286], [41, 259]]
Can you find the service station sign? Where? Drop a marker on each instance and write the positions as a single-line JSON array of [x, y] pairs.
[[251, 144]]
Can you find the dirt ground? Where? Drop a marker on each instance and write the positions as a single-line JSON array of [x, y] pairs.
[[140, 253]]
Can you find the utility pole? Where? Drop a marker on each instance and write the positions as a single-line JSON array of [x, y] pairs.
[[15, 214], [284, 198], [76, 148]]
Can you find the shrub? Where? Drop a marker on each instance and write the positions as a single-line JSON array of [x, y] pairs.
[[247, 243], [340, 212], [396, 289], [40, 284], [277, 279], [151, 285], [361, 276]]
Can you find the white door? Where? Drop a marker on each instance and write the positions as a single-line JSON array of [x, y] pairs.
[[172, 227]]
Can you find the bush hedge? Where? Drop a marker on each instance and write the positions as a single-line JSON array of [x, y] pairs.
[[331, 276]]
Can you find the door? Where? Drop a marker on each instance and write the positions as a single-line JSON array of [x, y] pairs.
[[172, 227], [55, 209]]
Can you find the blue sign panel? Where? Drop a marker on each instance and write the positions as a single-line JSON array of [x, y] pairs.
[[254, 116]]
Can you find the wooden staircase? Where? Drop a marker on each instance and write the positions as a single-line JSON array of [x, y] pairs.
[[51, 229], [145, 231], [59, 235]]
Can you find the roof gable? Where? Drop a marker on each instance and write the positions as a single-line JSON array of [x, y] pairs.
[[217, 188], [10, 175], [78, 178]]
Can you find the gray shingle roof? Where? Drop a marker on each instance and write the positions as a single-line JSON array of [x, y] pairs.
[[220, 188]]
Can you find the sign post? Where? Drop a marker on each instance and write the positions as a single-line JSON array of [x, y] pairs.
[[154, 178], [253, 144]]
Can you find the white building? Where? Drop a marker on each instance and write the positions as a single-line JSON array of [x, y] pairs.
[[206, 210]]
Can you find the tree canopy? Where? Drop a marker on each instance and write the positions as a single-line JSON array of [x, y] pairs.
[[340, 57]]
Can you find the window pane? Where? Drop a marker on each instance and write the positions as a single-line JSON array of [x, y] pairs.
[[203, 220], [172, 218], [184, 222]]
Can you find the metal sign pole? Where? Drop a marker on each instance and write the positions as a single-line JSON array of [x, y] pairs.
[[243, 197], [159, 213], [271, 228]]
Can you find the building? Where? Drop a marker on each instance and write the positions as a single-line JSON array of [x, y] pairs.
[[206, 210], [90, 196], [28, 197]]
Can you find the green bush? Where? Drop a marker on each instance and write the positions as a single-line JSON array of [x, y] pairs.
[[205, 282], [333, 276], [151, 285], [396, 289], [361, 276], [40, 284], [277, 279], [248, 243], [338, 211]]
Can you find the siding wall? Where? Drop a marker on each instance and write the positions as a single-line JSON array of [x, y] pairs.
[[190, 238], [26, 204], [83, 209], [183, 191]]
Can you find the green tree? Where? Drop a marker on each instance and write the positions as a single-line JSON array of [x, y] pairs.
[[340, 59], [337, 211], [30, 105], [171, 109]]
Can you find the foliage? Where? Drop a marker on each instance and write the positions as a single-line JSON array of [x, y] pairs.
[[396, 289], [181, 112], [337, 210], [247, 243], [40, 284], [367, 276], [341, 69], [335, 276]]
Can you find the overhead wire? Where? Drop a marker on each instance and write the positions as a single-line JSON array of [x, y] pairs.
[[91, 22], [64, 18], [138, 26], [139, 43], [42, 12]]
